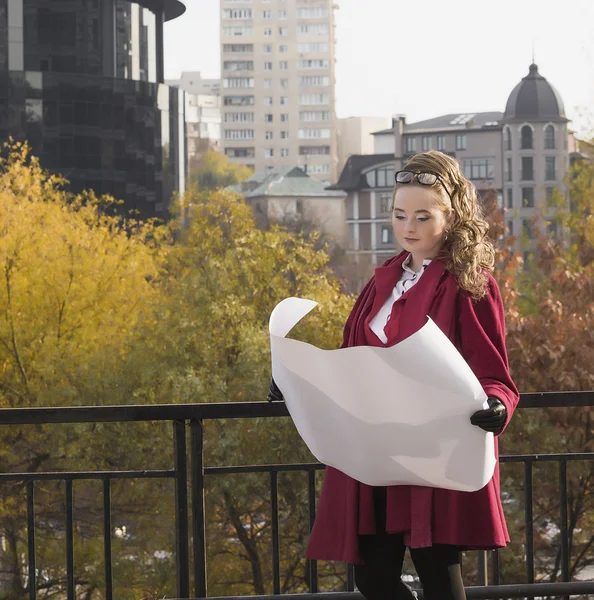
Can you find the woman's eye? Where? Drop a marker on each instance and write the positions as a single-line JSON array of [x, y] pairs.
[[399, 217], [423, 218]]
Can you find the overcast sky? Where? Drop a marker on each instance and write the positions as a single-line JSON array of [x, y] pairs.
[[428, 58]]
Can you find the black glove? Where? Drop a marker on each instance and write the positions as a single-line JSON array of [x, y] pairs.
[[274, 394], [491, 419]]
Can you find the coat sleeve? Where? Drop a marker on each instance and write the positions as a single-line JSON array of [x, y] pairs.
[[481, 332]]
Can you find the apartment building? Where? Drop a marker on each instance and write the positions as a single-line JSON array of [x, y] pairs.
[[521, 155], [203, 114], [277, 69]]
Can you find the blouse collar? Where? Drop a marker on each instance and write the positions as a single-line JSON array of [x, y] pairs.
[[407, 261]]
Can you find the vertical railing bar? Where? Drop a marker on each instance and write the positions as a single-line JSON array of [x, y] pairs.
[[482, 567], [198, 517], [311, 506], [181, 511], [31, 540], [495, 567], [275, 540], [529, 520], [350, 578], [69, 542], [563, 510], [107, 539]]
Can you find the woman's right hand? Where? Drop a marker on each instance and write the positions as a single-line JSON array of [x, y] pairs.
[[274, 393]]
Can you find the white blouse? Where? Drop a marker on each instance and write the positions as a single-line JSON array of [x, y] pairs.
[[407, 280]]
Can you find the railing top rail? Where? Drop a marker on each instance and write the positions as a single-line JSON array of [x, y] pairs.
[[222, 410]]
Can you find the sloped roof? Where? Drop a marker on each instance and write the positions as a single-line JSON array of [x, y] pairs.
[[452, 122], [284, 181], [534, 99], [350, 178]]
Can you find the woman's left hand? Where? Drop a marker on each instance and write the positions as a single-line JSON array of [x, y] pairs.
[[491, 419]]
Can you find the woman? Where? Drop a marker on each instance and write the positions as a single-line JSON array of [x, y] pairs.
[[444, 272]]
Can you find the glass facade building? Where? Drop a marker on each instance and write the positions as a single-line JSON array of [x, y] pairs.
[[82, 82]]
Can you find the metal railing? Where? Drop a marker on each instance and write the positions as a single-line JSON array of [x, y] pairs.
[[194, 415]]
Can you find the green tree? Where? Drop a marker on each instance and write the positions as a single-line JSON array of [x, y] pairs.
[[214, 170]]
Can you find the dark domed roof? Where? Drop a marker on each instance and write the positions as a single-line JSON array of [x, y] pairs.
[[534, 99]]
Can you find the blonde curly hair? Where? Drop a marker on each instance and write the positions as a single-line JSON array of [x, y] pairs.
[[467, 252]]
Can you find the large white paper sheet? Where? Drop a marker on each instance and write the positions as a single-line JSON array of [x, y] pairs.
[[385, 416]]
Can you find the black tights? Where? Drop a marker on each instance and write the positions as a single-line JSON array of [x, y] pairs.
[[378, 578]]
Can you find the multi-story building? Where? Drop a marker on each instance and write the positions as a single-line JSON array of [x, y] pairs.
[[83, 83], [203, 114], [521, 155], [277, 68], [355, 135]]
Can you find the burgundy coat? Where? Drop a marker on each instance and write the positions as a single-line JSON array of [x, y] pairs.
[[424, 515]]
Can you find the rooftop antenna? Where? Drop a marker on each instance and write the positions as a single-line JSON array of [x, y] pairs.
[[533, 60]]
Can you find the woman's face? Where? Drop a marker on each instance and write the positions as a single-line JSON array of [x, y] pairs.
[[418, 221]]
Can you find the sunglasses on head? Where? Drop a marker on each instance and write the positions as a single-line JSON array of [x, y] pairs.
[[422, 177]]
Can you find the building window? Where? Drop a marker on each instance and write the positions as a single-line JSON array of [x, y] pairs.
[[268, 66], [314, 81], [316, 169], [283, 48], [510, 227], [549, 137], [508, 169], [314, 63], [240, 152], [411, 144], [315, 133], [238, 65], [267, 14], [284, 135], [381, 177], [284, 83], [238, 100], [268, 83], [313, 28], [550, 196], [385, 202], [283, 31], [268, 152], [237, 14], [284, 117], [461, 141], [507, 139], [440, 142], [267, 48], [478, 168], [284, 152], [314, 99], [239, 134], [550, 168], [268, 118], [284, 100], [528, 197], [268, 135], [267, 32], [238, 48], [312, 13], [387, 233], [527, 168], [527, 228], [314, 150], [510, 198], [526, 137], [239, 117], [238, 82], [284, 65], [312, 47], [267, 100], [427, 142], [314, 115], [282, 14]]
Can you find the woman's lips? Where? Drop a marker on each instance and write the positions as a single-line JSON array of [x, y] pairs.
[[407, 239]]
